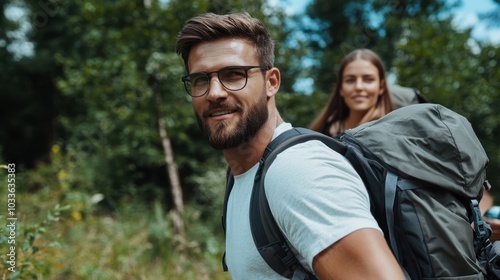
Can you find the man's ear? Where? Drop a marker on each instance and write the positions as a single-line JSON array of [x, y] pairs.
[[273, 81]]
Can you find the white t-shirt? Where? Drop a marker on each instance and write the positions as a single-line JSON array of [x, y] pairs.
[[316, 198]]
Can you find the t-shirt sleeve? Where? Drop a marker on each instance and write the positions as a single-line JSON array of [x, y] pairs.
[[316, 197]]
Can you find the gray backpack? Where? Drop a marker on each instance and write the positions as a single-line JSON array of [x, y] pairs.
[[424, 170], [403, 96]]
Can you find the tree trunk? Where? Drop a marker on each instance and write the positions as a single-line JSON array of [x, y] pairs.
[[173, 174]]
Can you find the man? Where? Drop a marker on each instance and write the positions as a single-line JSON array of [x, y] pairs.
[[316, 197]]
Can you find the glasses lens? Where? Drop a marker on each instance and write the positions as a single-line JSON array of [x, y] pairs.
[[197, 83], [233, 78]]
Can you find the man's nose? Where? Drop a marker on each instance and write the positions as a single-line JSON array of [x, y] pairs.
[[215, 89]]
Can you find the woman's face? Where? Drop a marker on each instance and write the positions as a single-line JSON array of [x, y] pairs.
[[361, 86]]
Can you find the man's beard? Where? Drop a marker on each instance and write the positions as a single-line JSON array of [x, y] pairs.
[[220, 138]]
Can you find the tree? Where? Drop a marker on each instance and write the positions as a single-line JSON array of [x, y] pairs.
[[342, 26], [453, 69], [420, 48], [30, 100], [93, 85], [492, 17]]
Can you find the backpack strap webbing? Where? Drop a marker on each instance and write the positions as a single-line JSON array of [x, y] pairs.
[[391, 181]]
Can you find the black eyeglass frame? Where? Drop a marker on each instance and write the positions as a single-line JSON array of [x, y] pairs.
[[186, 79]]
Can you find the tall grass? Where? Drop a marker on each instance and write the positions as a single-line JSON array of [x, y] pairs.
[[62, 234]]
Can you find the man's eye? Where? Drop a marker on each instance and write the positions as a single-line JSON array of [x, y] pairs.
[[199, 80], [233, 74]]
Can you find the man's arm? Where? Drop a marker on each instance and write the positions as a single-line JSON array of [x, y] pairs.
[[363, 254]]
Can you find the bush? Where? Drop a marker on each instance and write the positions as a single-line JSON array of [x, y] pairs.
[[133, 241]]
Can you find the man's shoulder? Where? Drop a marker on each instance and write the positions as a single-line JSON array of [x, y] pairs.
[[310, 146], [284, 126], [312, 160], [312, 149]]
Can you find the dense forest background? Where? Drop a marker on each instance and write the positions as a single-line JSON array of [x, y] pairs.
[[114, 179]]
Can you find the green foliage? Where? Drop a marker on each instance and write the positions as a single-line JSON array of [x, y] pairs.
[[422, 49], [110, 127], [134, 242], [94, 81], [31, 266], [80, 117], [292, 107], [342, 26], [452, 69], [33, 243]]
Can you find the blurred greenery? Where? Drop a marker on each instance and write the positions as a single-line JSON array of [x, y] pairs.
[[78, 118]]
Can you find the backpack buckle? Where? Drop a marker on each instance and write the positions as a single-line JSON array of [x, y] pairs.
[[479, 225]]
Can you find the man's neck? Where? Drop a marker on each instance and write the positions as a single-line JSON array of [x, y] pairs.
[[245, 156]]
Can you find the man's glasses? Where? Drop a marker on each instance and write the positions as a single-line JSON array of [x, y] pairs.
[[232, 78]]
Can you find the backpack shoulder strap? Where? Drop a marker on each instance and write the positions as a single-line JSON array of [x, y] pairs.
[[230, 178], [229, 187], [266, 233], [268, 238]]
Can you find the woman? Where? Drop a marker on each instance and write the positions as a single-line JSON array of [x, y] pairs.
[[361, 94]]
